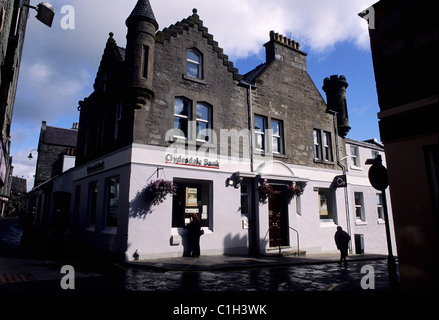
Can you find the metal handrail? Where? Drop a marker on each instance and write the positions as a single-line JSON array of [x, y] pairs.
[[298, 248], [280, 249]]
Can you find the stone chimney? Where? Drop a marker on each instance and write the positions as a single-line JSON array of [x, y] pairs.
[[285, 50]]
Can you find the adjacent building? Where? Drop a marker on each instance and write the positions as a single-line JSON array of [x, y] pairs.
[[404, 42], [261, 158], [56, 156], [13, 19]]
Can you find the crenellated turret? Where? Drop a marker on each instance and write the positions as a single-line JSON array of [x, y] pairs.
[[335, 89], [139, 62]]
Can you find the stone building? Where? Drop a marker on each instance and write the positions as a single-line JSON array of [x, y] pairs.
[[56, 152], [13, 19], [172, 106]]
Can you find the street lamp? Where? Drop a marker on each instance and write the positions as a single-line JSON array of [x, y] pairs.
[[379, 180], [45, 13], [30, 157]]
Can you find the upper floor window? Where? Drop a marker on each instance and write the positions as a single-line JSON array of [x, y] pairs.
[[355, 157], [204, 121], [278, 144], [118, 120], [380, 208], [260, 128], [182, 116], [322, 145], [194, 64], [359, 206]]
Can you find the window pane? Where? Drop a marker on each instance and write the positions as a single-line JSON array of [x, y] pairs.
[[193, 70], [203, 112], [193, 56], [93, 196], [259, 141], [275, 125], [182, 107], [357, 198], [202, 132], [113, 201], [259, 124], [276, 145], [181, 124], [379, 199]]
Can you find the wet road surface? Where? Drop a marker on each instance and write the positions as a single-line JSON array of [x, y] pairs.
[[109, 275]]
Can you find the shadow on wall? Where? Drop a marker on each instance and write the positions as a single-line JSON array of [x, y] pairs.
[[141, 205], [235, 244]]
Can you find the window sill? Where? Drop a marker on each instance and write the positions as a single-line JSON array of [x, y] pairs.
[[183, 231], [356, 168], [327, 224], [360, 223], [381, 221], [91, 228], [324, 162], [196, 80], [110, 230]]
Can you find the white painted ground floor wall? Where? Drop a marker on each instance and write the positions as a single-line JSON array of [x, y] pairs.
[[152, 233]]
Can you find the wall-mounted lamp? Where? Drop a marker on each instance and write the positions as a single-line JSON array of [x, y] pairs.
[[45, 13], [234, 181], [30, 157]]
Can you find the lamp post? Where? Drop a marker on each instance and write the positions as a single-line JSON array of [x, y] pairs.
[[45, 13], [30, 157], [379, 180]]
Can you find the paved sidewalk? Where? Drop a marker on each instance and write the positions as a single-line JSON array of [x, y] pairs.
[[224, 262]]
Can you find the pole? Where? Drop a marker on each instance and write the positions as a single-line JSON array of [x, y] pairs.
[[343, 167], [391, 263]]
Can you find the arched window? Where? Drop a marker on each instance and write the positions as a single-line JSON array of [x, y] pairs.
[[194, 64]]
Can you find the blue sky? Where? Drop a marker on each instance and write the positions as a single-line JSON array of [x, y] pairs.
[[59, 65]]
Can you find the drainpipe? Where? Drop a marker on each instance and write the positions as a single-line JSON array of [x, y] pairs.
[[249, 88], [343, 167]]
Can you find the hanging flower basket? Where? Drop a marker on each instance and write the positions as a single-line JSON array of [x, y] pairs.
[[265, 191], [157, 190], [294, 191]]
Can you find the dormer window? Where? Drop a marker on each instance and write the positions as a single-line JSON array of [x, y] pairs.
[[194, 64]]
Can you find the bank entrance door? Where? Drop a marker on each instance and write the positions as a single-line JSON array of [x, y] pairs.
[[278, 218]]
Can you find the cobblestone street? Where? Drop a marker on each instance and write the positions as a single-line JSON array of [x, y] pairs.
[[44, 274], [322, 277]]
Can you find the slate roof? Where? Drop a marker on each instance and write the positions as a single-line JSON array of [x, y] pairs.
[[60, 136], [143, 9]]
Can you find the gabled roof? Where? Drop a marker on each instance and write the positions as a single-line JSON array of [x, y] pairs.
[[251, 76], [60, 136], [370, 144], [190, 22], [112, 57]]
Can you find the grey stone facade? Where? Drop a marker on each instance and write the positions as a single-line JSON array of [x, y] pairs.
[[54, 144], [283, 90]]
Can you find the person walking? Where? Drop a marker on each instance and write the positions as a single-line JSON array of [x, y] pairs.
[[194, 233], [342, 239]]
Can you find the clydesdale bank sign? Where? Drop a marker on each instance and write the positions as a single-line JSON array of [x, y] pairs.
[[192, 161]]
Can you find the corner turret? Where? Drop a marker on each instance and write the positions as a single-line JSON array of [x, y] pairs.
[[335, 89], [139, 62]]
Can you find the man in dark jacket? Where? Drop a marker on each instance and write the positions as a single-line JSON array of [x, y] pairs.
[[194, 233], [342, 239]]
